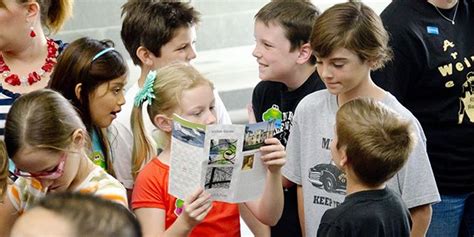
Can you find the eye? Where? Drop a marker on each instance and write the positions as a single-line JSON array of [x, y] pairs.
[[338, 65], [319, 62], [267, 45], [212, 108]]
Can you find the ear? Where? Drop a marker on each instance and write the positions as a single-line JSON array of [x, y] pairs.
[[344, 161], [305, 53], [77, 91], [163, 123], [78, 138], [145, 56], [33, 9]]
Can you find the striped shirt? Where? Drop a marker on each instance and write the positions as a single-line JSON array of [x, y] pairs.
[[6, 100], [25, 192]]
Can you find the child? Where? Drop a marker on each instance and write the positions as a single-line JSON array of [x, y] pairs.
[[288, 73], [77, 214], [156, 33], [370, 145], [180, 89], [92, 75], [349, 41], [48, 143]]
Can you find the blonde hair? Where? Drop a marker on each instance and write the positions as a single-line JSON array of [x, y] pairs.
[[54, 13], [353, 26], [169, 84], [376, 139]]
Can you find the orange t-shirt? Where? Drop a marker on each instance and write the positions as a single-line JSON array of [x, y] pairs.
[[151, 191]]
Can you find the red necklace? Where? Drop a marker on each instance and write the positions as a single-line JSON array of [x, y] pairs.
[[33, 77]]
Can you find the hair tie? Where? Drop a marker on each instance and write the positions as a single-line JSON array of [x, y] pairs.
[[146, 93], [102, 52]]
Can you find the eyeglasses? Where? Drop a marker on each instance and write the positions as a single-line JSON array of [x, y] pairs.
[[53, 174]]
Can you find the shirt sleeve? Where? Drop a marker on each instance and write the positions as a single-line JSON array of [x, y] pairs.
[[147, 192], [292, 169]]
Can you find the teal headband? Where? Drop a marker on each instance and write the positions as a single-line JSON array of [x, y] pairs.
[[146, 93], [102, 52]]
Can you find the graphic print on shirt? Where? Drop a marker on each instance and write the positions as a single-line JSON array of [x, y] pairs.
[[283, 122], [460, 64], [326, 175]]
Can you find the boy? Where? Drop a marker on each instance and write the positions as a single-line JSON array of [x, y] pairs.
[[155, 34], [288, 73], [349, 41], [371, 143]]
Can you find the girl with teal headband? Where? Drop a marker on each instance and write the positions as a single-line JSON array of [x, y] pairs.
[[92, 75]]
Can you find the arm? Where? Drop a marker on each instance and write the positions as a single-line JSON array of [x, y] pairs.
[[257, 227], [299, 193], [8, 216], [196, 207], [421, 218], [269, 207]]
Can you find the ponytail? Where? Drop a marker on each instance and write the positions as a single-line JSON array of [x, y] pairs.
[[142, 148]]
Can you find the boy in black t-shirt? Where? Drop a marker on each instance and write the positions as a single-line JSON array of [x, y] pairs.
[[287, 70], [372, 143]]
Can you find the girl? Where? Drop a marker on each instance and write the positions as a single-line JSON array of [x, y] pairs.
[[92, 75], [180, 89], [47, 141]]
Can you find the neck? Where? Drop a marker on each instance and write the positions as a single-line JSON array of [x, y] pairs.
[[85, 168], [26, 52], [354, 185], [443, 4], [299, 77], [143, 73], [367, 88], [164, 156]]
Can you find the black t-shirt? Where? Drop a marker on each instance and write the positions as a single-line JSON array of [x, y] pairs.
[[367, 213], [432, 74], [272, 100]]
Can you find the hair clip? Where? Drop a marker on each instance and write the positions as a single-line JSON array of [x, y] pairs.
[[102, 52], [146, 93]]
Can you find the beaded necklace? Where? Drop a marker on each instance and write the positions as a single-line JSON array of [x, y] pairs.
[[33, 77]]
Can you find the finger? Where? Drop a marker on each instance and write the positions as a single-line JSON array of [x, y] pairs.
[[204, 214], [202, 199], [273, 155], [191, 198], [201, 209]]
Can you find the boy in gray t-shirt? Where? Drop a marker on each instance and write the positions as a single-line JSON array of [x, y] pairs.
[[347, 49]]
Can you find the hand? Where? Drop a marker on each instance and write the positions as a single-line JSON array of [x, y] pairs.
[[196, 207], [273, 154]]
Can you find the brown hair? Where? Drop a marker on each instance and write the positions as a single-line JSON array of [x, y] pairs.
[[77, 65], [295, 17], [92, 216], [3, 169], [376, 139], [152, 24], [54, 13], [168, 87], [41, 119], [353, 26]]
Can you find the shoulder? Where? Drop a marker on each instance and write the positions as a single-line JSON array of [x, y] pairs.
[[314, 100], [265, 87]]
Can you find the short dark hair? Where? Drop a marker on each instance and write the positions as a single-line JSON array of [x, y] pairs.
[[152, 24]]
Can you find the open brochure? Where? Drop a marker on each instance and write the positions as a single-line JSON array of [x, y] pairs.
[[224, 159]]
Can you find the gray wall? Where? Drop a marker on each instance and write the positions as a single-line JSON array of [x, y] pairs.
[[225, 23]]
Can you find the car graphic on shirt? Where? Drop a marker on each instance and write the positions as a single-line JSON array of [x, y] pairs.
[[328, 177]]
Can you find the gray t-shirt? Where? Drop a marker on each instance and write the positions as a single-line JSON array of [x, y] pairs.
[[324, 185]]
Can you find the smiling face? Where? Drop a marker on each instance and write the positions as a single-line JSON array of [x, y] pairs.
[[197, 105], [38, 162], [343, 72], [272, 50], [106, 101], [181, 48]]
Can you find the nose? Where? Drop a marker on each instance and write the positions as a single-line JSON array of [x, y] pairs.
[[191, 53], [211, 118], [324, 71], [256, 52], [121, 100]]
